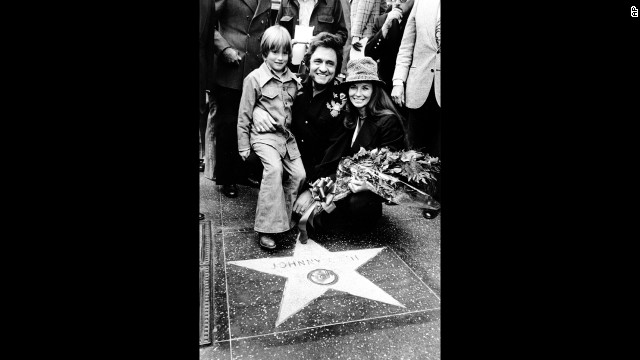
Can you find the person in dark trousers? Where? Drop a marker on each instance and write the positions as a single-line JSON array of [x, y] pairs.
[[206, 48], [241, 25]]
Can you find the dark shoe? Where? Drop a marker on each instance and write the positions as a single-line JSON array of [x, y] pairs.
[[253, 183], [230, 191], [201, 165], [266, 241], [201, 216], [430, 214]]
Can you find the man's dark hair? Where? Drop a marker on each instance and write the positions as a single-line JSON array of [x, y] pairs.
[[327, 40]]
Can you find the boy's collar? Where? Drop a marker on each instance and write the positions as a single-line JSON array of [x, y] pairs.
[[267, 73]]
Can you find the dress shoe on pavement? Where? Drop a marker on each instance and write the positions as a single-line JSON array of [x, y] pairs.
[[230, 191], [253, 183], [266, 241], [430, 214], [201, 217]]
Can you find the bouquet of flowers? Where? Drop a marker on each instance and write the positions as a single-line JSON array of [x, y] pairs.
[[405, 177]]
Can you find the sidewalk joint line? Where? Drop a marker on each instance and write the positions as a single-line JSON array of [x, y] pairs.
[[414, 273], [332, 324]]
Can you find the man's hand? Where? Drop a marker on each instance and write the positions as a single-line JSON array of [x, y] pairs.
[[245, 154], [397, 94], [359, 185], [395, 14], [230, 55], [303, 202], [262, 121]]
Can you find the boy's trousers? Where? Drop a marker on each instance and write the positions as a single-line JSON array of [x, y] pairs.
[[282, 179]]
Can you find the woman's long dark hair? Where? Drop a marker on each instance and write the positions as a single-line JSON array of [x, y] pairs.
[[380, 104]]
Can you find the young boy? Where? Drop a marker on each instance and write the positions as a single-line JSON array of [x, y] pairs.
[[272, 87]]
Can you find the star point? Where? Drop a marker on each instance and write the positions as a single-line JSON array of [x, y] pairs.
[[312, 270]]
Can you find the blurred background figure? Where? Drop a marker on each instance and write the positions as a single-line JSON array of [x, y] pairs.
[[205, 49], [323, 15], [416, 80], [208, 104], [241, 25], [388, 29], [363, 14]]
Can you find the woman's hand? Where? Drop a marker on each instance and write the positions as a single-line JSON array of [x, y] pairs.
[[357, 186], [303, 202], [262, 121]]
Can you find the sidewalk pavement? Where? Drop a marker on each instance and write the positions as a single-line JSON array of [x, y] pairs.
[[354, 294]]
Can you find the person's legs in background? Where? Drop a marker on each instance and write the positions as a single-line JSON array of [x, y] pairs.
[[210, 140], [424, 134], [228, 161], [346, 12]]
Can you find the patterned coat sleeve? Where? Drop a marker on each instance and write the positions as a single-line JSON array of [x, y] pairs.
[[363, 10]]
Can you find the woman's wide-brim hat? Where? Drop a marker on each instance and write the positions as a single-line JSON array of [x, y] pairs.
[[362, 69]]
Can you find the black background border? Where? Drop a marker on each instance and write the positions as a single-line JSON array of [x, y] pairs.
[[538, 104]]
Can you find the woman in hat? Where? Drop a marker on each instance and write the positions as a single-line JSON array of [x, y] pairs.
[[371, 121]]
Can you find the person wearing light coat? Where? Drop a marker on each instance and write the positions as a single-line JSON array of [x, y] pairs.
[[416, 79]]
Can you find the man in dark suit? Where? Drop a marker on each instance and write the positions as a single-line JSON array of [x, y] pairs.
[[208, 105], [383, 46], [205, 49], [241, 25]]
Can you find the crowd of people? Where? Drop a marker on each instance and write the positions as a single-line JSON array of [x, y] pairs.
[[269, 123]]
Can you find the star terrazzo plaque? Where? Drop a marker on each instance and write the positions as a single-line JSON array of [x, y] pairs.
[[313, 270]]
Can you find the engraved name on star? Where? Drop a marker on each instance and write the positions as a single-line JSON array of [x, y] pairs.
[[313, 270]]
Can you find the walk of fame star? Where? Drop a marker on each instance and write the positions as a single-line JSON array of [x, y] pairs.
[[312, 270]]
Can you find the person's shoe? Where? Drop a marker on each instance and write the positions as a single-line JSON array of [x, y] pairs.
[[230, 191], [253, 183], [266, 241], [430, 214], [201, 217]]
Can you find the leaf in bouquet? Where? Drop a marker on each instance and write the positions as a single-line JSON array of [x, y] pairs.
[[361, 153], [408, 155], [392, 157]]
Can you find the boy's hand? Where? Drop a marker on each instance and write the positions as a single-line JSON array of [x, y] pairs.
[[262, 121], [245, 154]]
